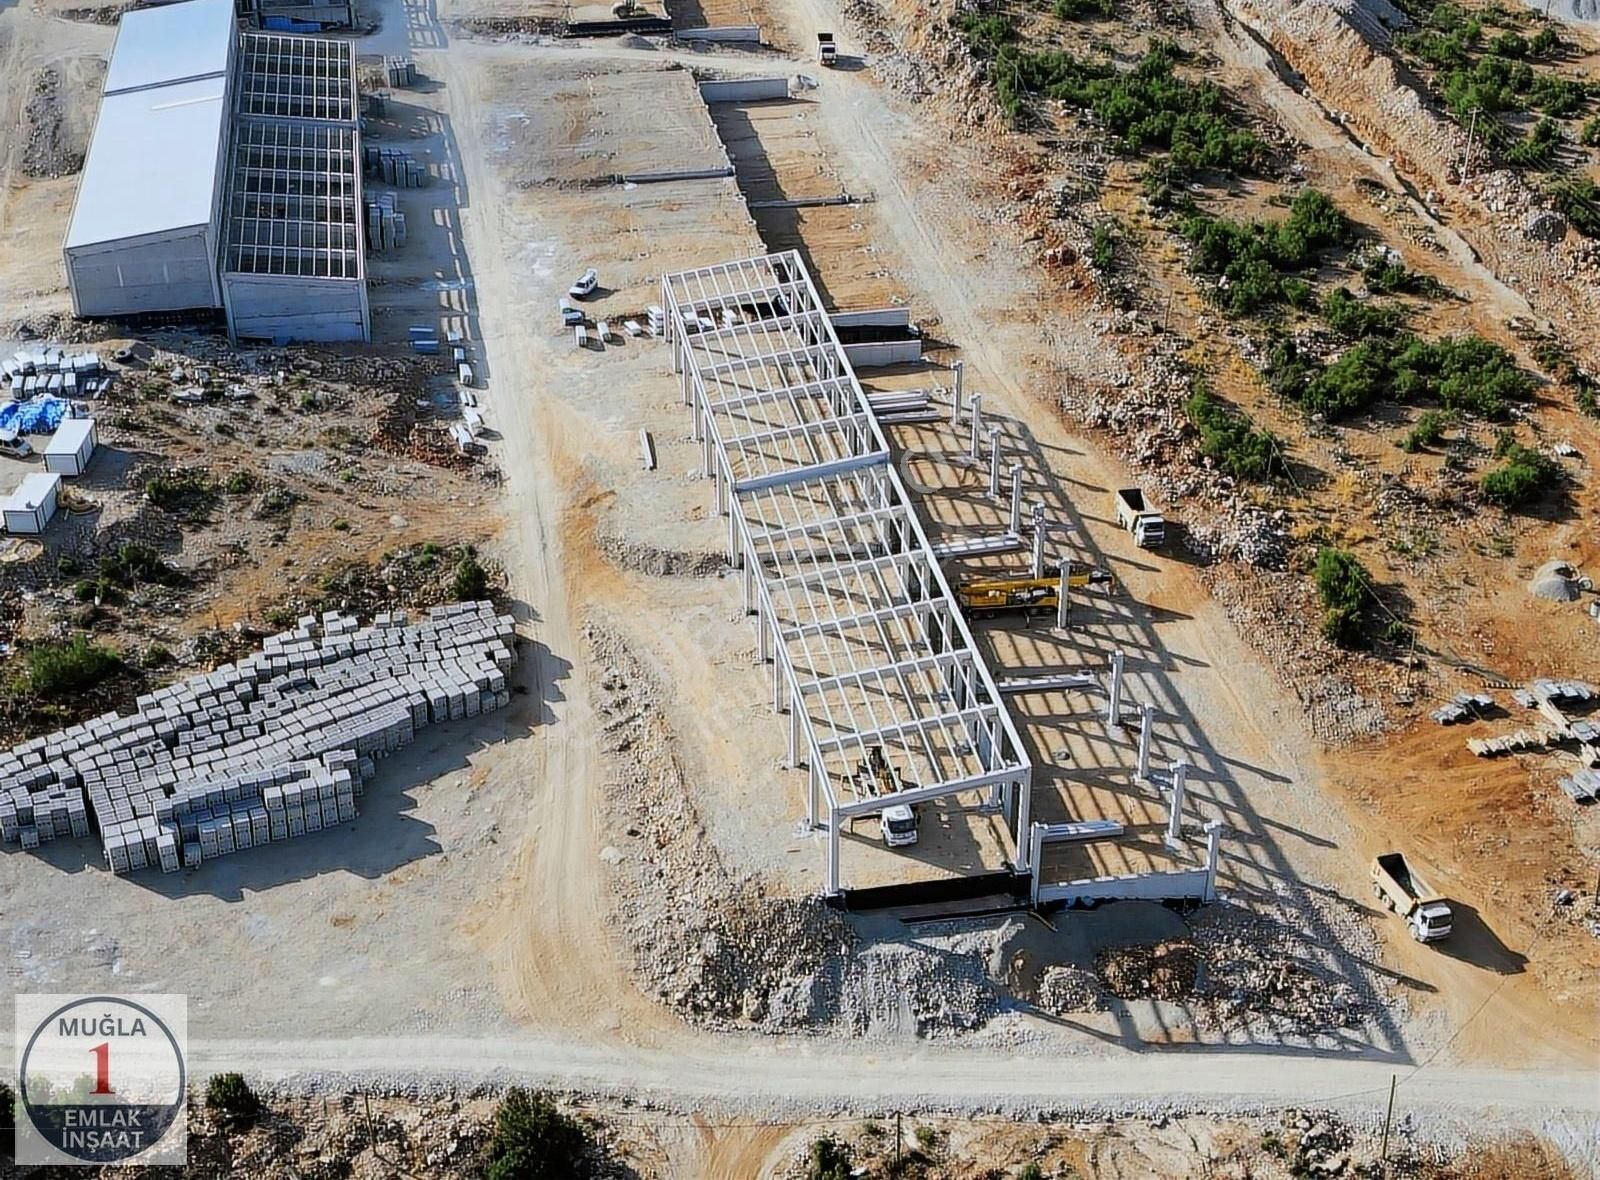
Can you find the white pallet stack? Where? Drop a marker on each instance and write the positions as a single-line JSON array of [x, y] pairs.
[[273, 747]]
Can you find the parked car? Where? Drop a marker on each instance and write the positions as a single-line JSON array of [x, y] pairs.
[[570, 315], [14, 445], [584, 287]]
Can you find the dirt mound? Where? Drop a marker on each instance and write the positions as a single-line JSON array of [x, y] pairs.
[[1165, 971]]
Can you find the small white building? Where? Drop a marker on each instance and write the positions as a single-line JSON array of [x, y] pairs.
[[30, 507], [71, 447]]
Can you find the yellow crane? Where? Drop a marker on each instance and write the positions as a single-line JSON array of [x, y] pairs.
[[998, 596]]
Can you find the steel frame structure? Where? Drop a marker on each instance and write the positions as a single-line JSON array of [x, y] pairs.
[[866, 642], [294, 205]]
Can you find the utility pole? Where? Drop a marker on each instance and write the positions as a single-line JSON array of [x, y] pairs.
[[1466, 162], [1388, 1119], [897, 1142]]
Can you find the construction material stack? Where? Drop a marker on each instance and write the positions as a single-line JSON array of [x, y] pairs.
[[275, 746]]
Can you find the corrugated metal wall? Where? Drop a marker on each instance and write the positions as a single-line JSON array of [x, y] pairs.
[[171, 273], [263, 307]]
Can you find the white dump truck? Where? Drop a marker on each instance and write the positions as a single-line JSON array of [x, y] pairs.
[[1401, 890], [1134, 513], [827, 49]]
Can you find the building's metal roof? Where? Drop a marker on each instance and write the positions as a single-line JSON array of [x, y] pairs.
[[152, 164], [174, 43]]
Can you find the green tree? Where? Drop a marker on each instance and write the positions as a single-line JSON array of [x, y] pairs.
[[533, 1139], [829, 1159], [1342, 587], [232, 1102], [469, 581]]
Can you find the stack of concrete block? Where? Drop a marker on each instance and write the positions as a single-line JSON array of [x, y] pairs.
[[273, 747], [386, 225], [402, 71], [394, 166]]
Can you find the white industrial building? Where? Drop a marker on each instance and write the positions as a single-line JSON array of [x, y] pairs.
[[224, 173]]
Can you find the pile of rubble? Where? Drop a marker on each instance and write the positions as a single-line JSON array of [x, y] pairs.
[[1163, 971], [1257, 971], [45, 150], [1064, 990]]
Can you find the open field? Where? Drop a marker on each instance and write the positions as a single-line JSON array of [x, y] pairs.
[[611, 885]]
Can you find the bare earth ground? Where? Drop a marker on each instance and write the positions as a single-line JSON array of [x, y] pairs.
[[468, 930]]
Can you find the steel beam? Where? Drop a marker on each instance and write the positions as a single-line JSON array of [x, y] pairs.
[[798, 430], [812, 472], [932, 791], [888, 614], [894, 512], [917, 725], [945, 659]]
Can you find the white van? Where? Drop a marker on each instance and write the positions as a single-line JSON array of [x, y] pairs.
[[899, 825]]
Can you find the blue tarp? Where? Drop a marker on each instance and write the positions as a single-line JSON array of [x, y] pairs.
[[37, 415], [287, 24]]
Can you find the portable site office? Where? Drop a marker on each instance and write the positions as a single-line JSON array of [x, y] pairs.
[[71, 447], [29, 509]]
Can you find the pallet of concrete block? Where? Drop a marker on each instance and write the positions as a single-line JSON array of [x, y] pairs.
[[1582, 786], [402, 71], [1510, 743], [1561, 692], [202, 767], [1464, 706]]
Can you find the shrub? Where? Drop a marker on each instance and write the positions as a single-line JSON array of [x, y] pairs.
[[185, 492], [1468, 374], [1342, 587], [1103, 246], [232, 1102], [469, 581], [1392, 277], [1578, 199], [54, 668], [1538, 148], [1030, 1171], [1428, 432], [1230, 440], [1590, 135], [1545, 42], [240, 483], [828, 1159], [1254, 256], [1355, 319], [534, 1140], [1077, 9], [1524, 477]]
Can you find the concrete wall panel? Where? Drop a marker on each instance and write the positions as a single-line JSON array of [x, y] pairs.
[[744, 89]]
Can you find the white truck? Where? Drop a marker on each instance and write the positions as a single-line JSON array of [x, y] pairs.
[[827, 50], [1401, 890], [1134, 513]]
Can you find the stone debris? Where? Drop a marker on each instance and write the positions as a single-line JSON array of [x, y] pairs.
[[272, 747], [1164, 971], [1261, 972], [1065, 989]]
